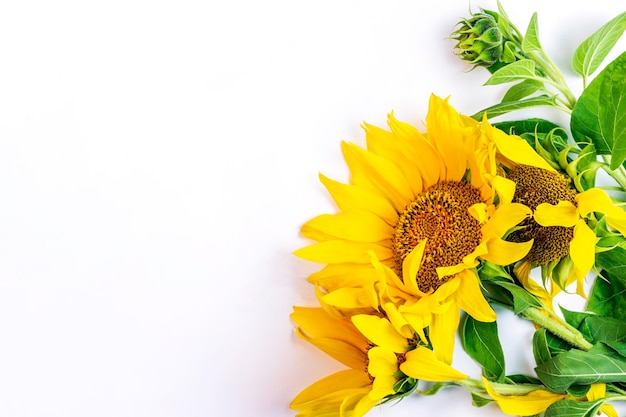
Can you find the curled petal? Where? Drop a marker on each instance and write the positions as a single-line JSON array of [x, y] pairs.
[[422, 363], [380, 331], [471, 300], [562, 214]]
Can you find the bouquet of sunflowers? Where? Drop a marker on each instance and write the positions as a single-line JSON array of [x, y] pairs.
[[436, 227]]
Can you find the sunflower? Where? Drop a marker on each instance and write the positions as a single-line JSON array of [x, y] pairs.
[[419, 213], [564, 244], [382, 363]]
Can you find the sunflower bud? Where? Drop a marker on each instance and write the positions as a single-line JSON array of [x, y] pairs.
[[479, 40]]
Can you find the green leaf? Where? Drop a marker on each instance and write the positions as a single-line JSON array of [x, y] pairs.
[[518, 70], [613, 262], [604, 329], [590, 54], [575, 367], [521, 90], [535, 125], [578, 391], [574, 318], [503, 108], [480, 341], [522, 299], [600, 113], [480, 401], [573, 408], [608, 295], [541, 350], [531, 39]]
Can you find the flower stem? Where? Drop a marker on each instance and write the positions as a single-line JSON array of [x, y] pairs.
[[556, 326], [504, 389]]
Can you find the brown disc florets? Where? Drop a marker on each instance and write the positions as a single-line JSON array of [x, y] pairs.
[[534, 186], [440, 215]]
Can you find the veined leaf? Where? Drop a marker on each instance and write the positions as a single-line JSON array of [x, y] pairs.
[[530, 42], [480, 341], [503, 108], [518, 70], [613, 262], [573, 408], [590, 54], [575, 367], [608, 295], [600, 113], [604, 329], [521, 90], [541, 350]]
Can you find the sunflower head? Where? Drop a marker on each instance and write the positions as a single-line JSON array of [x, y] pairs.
[[535, 186]]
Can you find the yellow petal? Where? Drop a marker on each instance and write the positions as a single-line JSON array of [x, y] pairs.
[[417, 148], [315, 322], [522, 271], [505, 188], [342, 381], [422, 363], [563, 214], [582, 250], [382, 362], [594, 200], [342, 275], [597, 200], [442, 332], [609, 410], [471, 299], [339, 251], [411, 266], [504, 218], [355, 225], [380, 331], [377, 173], [348, 354], [596, 392], [385, 144], [352, 197], [534, 402], [362, 407], [398, 321], [518, 150], [352, 298], [446, 132], [502, 252]]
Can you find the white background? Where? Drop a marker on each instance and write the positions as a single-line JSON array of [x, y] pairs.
[[157, 159]]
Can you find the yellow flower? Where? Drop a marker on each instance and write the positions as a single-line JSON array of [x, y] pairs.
[[534, 402], [417, 216], [564, 244], [378, 357]]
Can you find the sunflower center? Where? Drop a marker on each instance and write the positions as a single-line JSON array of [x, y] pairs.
[[440, 215], [534, 186]]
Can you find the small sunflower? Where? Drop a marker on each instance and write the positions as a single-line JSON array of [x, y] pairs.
[[382, 363], [564, 244], [419, 213]]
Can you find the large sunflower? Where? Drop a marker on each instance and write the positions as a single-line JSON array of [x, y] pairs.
[[419, 212], [564, 245], [380, 362]]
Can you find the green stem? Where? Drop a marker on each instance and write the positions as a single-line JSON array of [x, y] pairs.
[[504, 389], [556, 326]]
